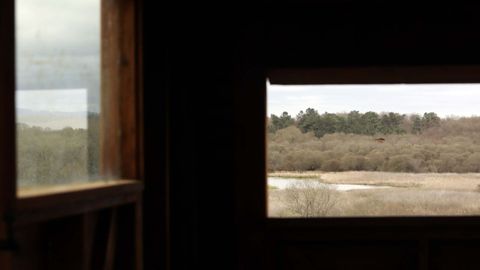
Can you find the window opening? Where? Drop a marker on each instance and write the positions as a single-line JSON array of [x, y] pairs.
[[373, 150], [58, 91]]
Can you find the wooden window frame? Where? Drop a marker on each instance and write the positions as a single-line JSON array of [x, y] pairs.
[[121, 128], [262, 235], [375, 75]]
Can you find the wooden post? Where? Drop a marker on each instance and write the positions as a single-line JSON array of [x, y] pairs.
[[7, 124]]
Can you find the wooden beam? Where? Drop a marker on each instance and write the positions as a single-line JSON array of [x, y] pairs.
[[54, 202], [376, 75], [121, 126]]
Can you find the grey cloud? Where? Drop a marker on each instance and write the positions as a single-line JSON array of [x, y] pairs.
[[58, 46], [444, 99]]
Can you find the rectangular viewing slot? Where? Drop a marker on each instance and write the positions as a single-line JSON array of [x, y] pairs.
[[373, 150]]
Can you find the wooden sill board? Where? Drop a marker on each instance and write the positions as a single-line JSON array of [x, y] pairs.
[[44, 203]]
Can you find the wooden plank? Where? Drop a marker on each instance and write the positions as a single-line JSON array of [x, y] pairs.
[[121, 129], [138, 235], [111, 241], [110, 129], [51, 191], [129, 97], [45, 206], [7, 124], [122, 119], [361, 223], [90, 221], [250, 170], [100, 235], [63, 248], [139, 90], [376, 75]]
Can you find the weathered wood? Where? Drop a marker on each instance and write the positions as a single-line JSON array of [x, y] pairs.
[[45, 205], [49, 213], [121, 128]]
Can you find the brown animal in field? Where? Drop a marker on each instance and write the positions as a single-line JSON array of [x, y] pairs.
[[380, 140]]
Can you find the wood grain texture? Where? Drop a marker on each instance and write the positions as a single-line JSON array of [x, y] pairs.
[[121, 129], [58, 227], [45, 205], [122, 120]]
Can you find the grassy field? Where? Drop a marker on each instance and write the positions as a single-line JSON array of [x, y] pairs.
[[411, 194]]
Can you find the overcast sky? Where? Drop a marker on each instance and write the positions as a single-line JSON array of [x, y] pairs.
[[58, 47], [444, 99], [48, 25], [68, 100]]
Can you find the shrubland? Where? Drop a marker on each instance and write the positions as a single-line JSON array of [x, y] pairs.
[[347, 142], [46, 156]]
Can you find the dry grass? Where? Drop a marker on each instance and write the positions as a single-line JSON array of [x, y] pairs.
[[412, 195], [444, 181]]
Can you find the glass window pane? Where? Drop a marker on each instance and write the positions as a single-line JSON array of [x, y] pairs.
[[58, 91], [373, 150]]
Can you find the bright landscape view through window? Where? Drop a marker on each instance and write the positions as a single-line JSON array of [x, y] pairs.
[[373, 150], [58, 91]]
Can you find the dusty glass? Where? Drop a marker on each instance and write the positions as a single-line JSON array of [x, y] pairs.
[[58, 91]]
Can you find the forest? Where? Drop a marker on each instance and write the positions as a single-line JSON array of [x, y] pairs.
[[47, 156], [373, 141], [310, 141]]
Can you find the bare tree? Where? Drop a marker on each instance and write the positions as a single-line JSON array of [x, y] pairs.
[[309, 198]]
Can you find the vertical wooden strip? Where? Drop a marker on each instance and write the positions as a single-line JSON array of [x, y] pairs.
[[138, 235], [89, 224], [7, 123], [121, 128], [111, 241], [139, 89], [100, 230], [110, 130], [7, 107], [250, 171], [120, 120], [128, 89]]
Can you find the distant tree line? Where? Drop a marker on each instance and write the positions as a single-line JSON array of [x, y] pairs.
[[354, 122], [343, 142], [49, 157]]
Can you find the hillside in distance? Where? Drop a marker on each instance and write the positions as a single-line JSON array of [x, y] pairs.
[[54, 120]]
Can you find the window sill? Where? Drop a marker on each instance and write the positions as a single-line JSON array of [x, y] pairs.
[[42, 204]]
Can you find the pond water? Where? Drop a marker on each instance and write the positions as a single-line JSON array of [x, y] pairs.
[[282, 183]]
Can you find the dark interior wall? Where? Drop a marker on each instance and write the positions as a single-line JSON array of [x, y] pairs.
[[188, 112], [192, 54], [358, 33]]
